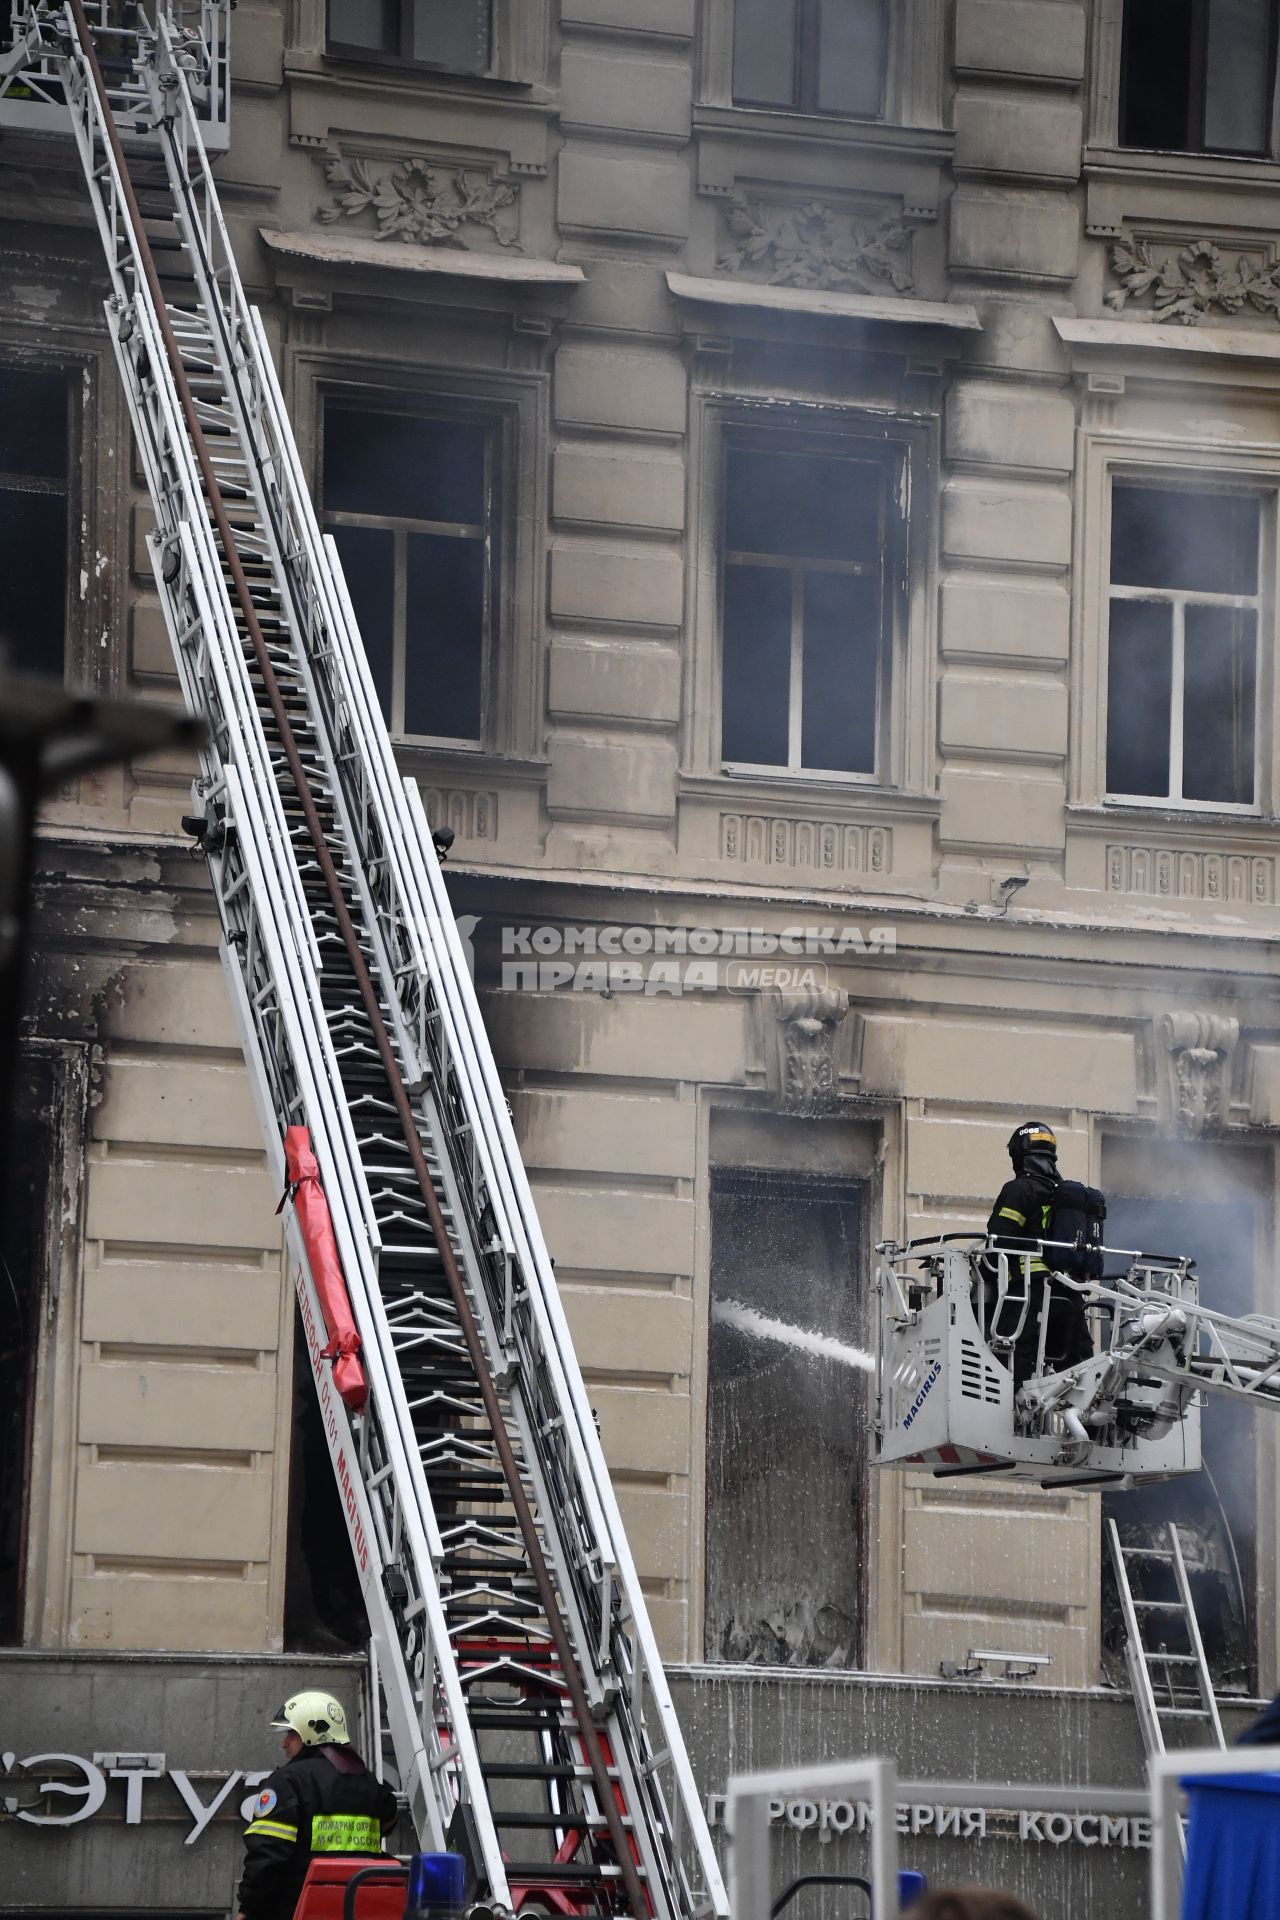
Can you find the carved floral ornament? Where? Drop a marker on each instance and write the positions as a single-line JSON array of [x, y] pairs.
[[1200, 1048], [1189, 285], [807, 1022], [419, 201], [817, 246]]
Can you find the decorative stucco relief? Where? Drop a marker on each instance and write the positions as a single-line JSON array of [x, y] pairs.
[[417, 200], [1188, 286], [1200, 1047], [817, 245], [1168, 874], [755, 839], [472, 814], [807, 1079]]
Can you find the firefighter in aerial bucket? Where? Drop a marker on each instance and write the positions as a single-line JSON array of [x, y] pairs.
[[1038, 1205], [323, 1800]]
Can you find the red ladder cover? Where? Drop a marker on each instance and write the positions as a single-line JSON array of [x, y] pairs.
[[312, 1212], [325, 1886]]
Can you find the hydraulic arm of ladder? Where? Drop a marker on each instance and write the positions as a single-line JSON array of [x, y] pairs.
[[512, 1638]]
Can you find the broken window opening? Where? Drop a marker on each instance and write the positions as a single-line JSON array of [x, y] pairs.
[[1183, 646], [786, 1421], [27, 1249], [34, 524], [324, 1610], [1216, 1510], [454, 36], [811, 56], [411, 501], [1198, 76], [805, 606]]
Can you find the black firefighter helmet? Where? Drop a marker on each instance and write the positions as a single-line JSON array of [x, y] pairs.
[[1032, 1140]]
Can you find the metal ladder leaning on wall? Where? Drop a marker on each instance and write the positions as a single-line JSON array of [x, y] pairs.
[[523, 1692], [1167, 1685]]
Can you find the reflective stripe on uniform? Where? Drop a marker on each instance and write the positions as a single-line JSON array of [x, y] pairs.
[[345, 1833], [1011, 1213], [271, 1830]]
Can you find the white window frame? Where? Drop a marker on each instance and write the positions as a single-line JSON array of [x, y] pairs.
[[1178, 599], [1111, 456], [906, 736]]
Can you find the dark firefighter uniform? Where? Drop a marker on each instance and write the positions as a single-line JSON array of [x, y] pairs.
[[324, 1800], [1021, 1217]]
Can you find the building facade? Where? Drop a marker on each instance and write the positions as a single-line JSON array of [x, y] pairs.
[[808, 477]]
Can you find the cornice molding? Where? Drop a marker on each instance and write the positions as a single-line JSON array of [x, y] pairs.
[[863, 308]]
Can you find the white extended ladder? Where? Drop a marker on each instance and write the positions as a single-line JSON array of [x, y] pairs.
[[525, 1698], [1163, 1647]]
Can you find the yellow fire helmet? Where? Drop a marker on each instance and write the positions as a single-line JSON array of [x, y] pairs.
[[316, 1718]]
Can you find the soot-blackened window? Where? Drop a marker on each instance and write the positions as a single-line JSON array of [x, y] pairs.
[[811, 56], [1198, 76], [805, 606], [410, 500], [1182, 666], [1217, 1509], [34, 526], [453, 35], [786, 1421]]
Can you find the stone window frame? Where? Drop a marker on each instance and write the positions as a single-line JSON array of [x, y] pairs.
[[75, 1067], [907, 731], [863, 1146], [914, 83], [93, 608], [1113, 1135], [352, 50], [1112, 454], [519, 403], [1106, 34], [521, 48]]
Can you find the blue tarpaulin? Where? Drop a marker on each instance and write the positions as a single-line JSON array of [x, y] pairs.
[[1233, 1847]]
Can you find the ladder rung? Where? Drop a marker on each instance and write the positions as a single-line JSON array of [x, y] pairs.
[[530, 1872], [532, 1770], [535, 1821]]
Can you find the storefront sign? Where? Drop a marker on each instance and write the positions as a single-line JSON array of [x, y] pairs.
[[830, 1818], [34, 1787]]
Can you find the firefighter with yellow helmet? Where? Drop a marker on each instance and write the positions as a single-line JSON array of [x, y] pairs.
[[323, 1800]]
